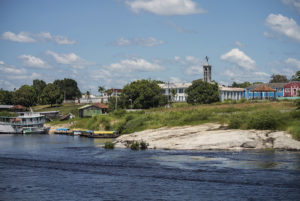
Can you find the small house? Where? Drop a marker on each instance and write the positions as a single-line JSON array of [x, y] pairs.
[[92, 110], [292, 89], [278, 87]]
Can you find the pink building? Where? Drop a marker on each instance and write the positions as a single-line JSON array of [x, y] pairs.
[[292, 89]]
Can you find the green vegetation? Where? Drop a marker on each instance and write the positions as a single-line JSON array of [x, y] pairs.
[[138, 145], [201, 92], [8, 114], [41, 93], [278, 79], [109, 145], [25, 96], [135, 146], [65, 108]]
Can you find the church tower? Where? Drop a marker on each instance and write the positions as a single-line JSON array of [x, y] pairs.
[[206, 71]]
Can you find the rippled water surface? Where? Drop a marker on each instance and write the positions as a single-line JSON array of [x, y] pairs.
[[52, 167]]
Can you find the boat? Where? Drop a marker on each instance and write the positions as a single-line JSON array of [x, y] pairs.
[[35, 130], [77, 131], [63, 131], [24, 123], [103, 134]]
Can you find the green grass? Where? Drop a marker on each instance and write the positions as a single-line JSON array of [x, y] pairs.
[[63, 108]]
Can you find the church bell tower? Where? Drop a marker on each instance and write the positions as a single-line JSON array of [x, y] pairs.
[[206, 71]]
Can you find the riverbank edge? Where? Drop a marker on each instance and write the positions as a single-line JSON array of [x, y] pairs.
[[210, 136]]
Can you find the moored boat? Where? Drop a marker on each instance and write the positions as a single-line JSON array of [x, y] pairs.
[[24, 122], [103, 134]]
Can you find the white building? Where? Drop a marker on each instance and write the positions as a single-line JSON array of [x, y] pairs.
[[231, 93], [180, 95]]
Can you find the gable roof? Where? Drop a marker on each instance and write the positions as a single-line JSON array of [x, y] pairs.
[[263, 88], [101, 105]]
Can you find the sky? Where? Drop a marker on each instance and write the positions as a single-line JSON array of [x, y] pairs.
[[111, 43]]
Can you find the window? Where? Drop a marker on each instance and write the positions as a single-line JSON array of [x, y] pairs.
[[180, 90], [287, 90]]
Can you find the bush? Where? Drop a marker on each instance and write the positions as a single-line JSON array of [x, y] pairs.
[[236, 121], [143, 145], [135, 146], [109, 145], [119, 113], [264, 120]]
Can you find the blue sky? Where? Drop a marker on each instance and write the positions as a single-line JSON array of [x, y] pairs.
[[114, 42]]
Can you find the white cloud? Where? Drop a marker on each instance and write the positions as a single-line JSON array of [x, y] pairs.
[[284, 25], [194, 70], [22, 37], [32, 61], [191, 64], [11, 69], [148, 42], [136, 64], [62, 40], [293, 3], [239, 44], [293, 62], [239, 58], [269, 35], [26, 37], [25, 77], [165, 7], [69, 59], [180, 29], [175, 80], [239, 75]]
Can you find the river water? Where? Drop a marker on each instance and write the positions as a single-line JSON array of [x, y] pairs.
[[53, 167]]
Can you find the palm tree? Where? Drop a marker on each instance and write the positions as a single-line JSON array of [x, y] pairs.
[[101, 89]]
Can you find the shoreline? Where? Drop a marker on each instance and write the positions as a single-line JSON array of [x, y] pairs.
[[210, 136]]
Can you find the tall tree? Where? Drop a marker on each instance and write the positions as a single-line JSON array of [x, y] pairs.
[[278, 79], [25, 96], [51, 95], [143, 93], [6, 97], [201, 92], [38, 86], [68, 87], [296, 77]]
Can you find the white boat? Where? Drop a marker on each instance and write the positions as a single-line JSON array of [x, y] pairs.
[[25, 122]]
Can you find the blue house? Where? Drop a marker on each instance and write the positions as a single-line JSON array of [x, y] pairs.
[[279, 87]]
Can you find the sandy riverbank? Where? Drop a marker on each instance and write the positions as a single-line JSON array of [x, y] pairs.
[[54, 127], [211, 136]]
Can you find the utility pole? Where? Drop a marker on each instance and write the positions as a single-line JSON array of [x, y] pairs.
[[116, 99]]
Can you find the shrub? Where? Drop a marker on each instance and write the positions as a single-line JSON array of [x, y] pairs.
[[264, 120], [109, 145], [235, 121], [143, 145], [119, 113], [135, 146]]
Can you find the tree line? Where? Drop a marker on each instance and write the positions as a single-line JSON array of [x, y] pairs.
[[41, 93]]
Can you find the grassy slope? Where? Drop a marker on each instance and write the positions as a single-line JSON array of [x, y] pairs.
[[261, 115]]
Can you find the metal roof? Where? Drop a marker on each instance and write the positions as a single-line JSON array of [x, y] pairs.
[[272, 85], [6, 106]]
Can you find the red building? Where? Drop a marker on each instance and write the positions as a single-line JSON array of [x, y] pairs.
[[292, 89]]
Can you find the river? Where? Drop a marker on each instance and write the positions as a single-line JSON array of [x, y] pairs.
[[54, 167]]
